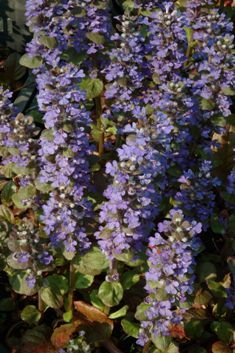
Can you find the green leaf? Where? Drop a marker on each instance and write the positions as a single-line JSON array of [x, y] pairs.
[[130, 328], [197, 349], [30, 314], [219, 121], [71, 55], [140, 311], [68, 316], [206, 271], [15, 264], [95, 37], [19, 284], [110, 293], [194, 328], [49, 42], [231, 223], [7, 304], [173, 348], [129, 279], [23, 198], [228, 91], [83, 281], [18, 170], [216, 225], [8, 190], [6, 214], [217, 289], [128, 259], [119, 313], [223, 330], [7, 170], [53, 290], [93, 87], [128, 5], [95, 300], [96, 332], [203, 297], [36, 336], [161, 342], [31, 62], [51, 298], [69, 255], [43, 187], [207, 104], [92, 263]]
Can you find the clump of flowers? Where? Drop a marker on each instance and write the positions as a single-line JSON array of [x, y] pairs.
[[65, 144], [170, 278]]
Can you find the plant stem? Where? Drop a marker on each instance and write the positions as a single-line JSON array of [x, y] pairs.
[[146, 347], [98, 108], [71, 287], [221, 4], [41, 304]]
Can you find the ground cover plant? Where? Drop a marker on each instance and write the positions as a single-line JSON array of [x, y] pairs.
[[118, 192]]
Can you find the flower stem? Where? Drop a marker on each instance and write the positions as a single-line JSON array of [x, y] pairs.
[[98, 108], [71, 287]]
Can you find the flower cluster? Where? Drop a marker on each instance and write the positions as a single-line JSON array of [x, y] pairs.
[[65, 143], [171, 259], [196, 195], [147, 154], [132, 197], [19, 156], [18, 148]]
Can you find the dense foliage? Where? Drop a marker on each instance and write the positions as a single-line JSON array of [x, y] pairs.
[[118, 193]]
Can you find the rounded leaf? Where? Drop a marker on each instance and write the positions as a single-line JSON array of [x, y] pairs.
[[30, 314], [110, 293]]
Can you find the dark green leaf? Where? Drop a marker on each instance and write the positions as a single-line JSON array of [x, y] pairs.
[[216, 225], [8, 190], [194, 328], [217, 289], [206, 271], [129, 279], [71, 55], [224, 331], [7, 304], [197, 349], [95, 300]]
